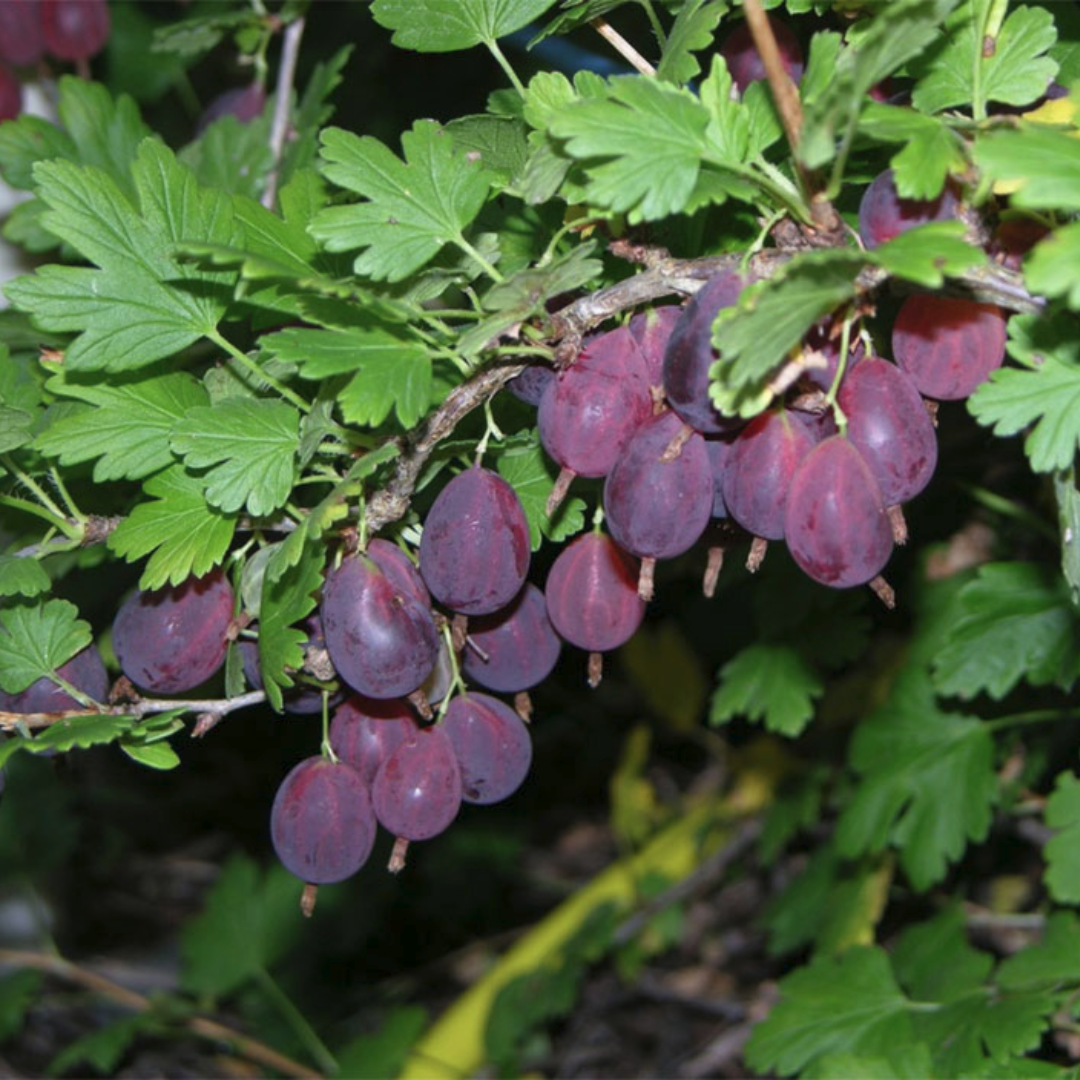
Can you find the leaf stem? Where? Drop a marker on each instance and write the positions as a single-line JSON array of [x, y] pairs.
[[479, 259], [298, 1022], [31, 485], [511, 74], [1036, 716], [242, 358], [654, 22], [57, 521], [69, 502]]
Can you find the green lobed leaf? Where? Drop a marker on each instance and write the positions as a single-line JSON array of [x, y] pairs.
[[450, 25], [962, 69], [497, 142], [1042, 396], [392, 372], [767, 682], [1040, 165], [103, 1049], [754, 336], [641, 145], [288, 596], [248, 446], [15, 428], [36, 640], [22, 576], [1011, 622], [1068, 503], [850, 1003], [192, 37], [131, 311], [183, 533], [1051, 959], [1053, 267], [898, 31], [691, 32], [233, 155], [17, 994], [127, 428], [929, 253], [934, 961], [414, 207], [383, 1052], [903, 1063], [1062, 850], [529, 472], [927, 782], [248, 920]]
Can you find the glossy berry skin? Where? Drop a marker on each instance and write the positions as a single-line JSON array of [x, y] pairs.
[[531, 384], [492, 746], [246, 103], [10, 94], [587, 416], [690, 355], [835, 523], [883, 215], [399, 568], [74, 29], [322, 824], [518, 644], [85, 671], [474, 553], [744, 61], [21, 41], [591, 593], [659, 509], [365, 732], [1013, 239], [763, 459], [170, 640], [300, 700], [382, 642], [417, 790], [651, 331], [948, 346], [889, 425]]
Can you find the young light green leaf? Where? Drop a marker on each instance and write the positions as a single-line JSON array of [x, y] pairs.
[[1062, 850], [773, 683], [1053, 267], [849, 1003], [642, 145], [754, 336], [691, 32], [528, 471], [928, 782], [1041, 166], [450, 25], [22, 577], [249, 447], [129, 311], [898, 31], [185, 535], [1042, 396], [929, 253], [972, 67], [288, 597], [128, 427], [36, 640], [414, 207], [158, 755], [1012, 622], [77, 733]]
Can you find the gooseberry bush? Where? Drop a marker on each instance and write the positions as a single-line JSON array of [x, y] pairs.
[[388, 430]]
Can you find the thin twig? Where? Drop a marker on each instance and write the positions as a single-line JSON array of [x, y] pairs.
[[219, 707], [130, 999], [622, 46], [786, 96], [279, 127]]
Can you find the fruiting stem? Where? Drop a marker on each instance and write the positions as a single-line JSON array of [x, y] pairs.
[[841, 367], [249, 365], [327, 749], [622, 46], [450, 632], [319, 1051], [491, 430], [279, 126]]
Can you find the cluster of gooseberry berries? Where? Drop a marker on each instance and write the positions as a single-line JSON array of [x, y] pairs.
[[826, 470], [68, 30]]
